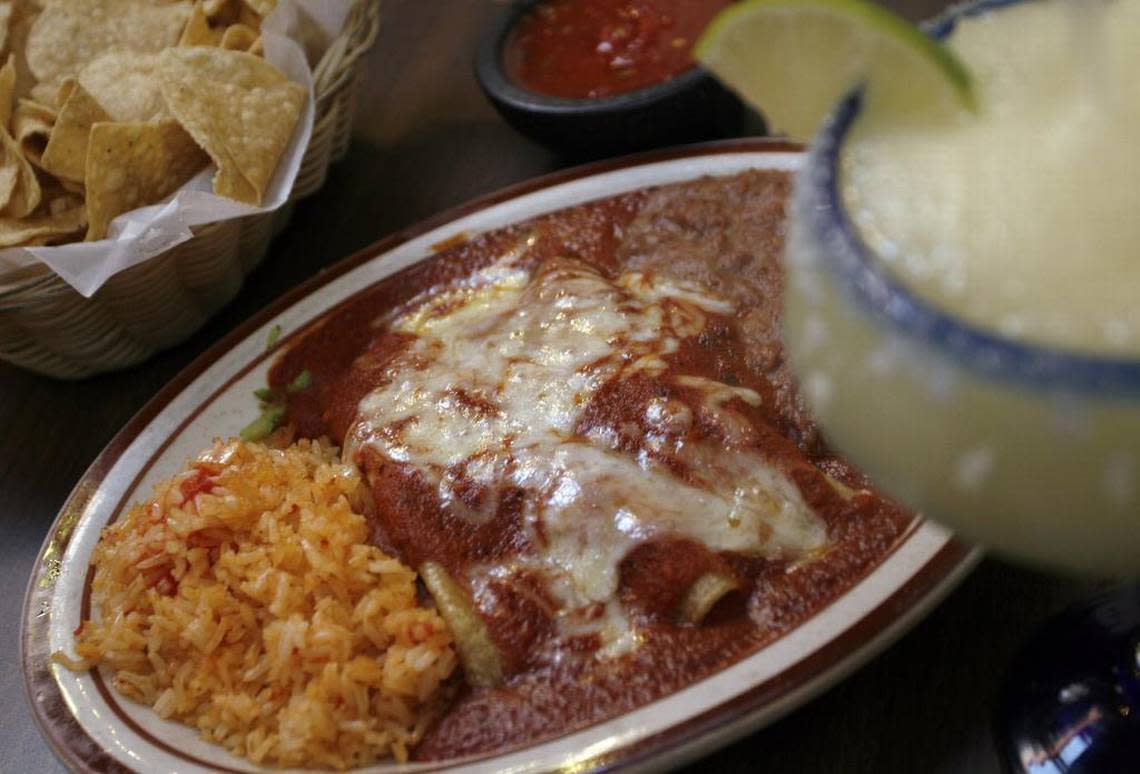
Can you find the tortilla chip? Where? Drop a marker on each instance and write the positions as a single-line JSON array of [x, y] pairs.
[[31, 127], [197, 31], [261, 7], [5, 24], [63, 93], [24, 15], [60, 195], [48, 93], [71, 186], [68, 35], [7, 90], [239, 108], [10, 157], [258, 48], [125, 84], [64, 219], [20, 190], [249, 17], [220, 12], [133, 165], [66, 153], [239, 37]]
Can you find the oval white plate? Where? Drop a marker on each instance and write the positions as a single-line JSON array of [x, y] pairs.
[[93, 729]]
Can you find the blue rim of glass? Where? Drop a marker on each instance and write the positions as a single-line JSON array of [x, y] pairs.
[[993, 356]]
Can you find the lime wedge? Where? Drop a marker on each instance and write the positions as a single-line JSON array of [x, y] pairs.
[[792, 59]]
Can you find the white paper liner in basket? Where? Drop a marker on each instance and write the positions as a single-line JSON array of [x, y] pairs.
[[142, 234]]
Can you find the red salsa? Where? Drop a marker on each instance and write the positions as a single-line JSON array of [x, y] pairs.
[[596, 48]]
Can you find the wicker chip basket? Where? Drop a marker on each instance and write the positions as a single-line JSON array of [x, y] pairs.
[[47, 327]]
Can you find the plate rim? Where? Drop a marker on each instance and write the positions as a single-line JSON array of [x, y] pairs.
[[873, 631]]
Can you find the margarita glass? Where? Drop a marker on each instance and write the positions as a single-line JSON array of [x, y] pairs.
[[1001, 397], [1029, 447]]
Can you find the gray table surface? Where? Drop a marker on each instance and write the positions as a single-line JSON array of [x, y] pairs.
[[426, 140]]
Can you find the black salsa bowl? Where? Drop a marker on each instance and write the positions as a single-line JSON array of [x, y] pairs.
[[689, 107]]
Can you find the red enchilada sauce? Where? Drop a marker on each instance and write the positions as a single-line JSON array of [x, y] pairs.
[[722, 234], [583, 49]]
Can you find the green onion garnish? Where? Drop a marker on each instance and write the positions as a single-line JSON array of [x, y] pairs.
[[272, 338], [301, 382], [265, 394], [270, 419]]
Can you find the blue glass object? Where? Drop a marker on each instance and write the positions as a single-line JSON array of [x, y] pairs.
[[1071, 702]]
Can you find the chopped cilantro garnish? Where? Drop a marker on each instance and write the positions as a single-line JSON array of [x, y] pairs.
[[265, 394], [273, 337], [271, 418], [301, 382]]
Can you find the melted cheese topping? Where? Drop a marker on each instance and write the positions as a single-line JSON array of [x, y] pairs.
[[489, 396]]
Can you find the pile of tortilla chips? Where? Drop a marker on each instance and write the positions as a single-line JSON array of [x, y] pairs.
[[111, 105]]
